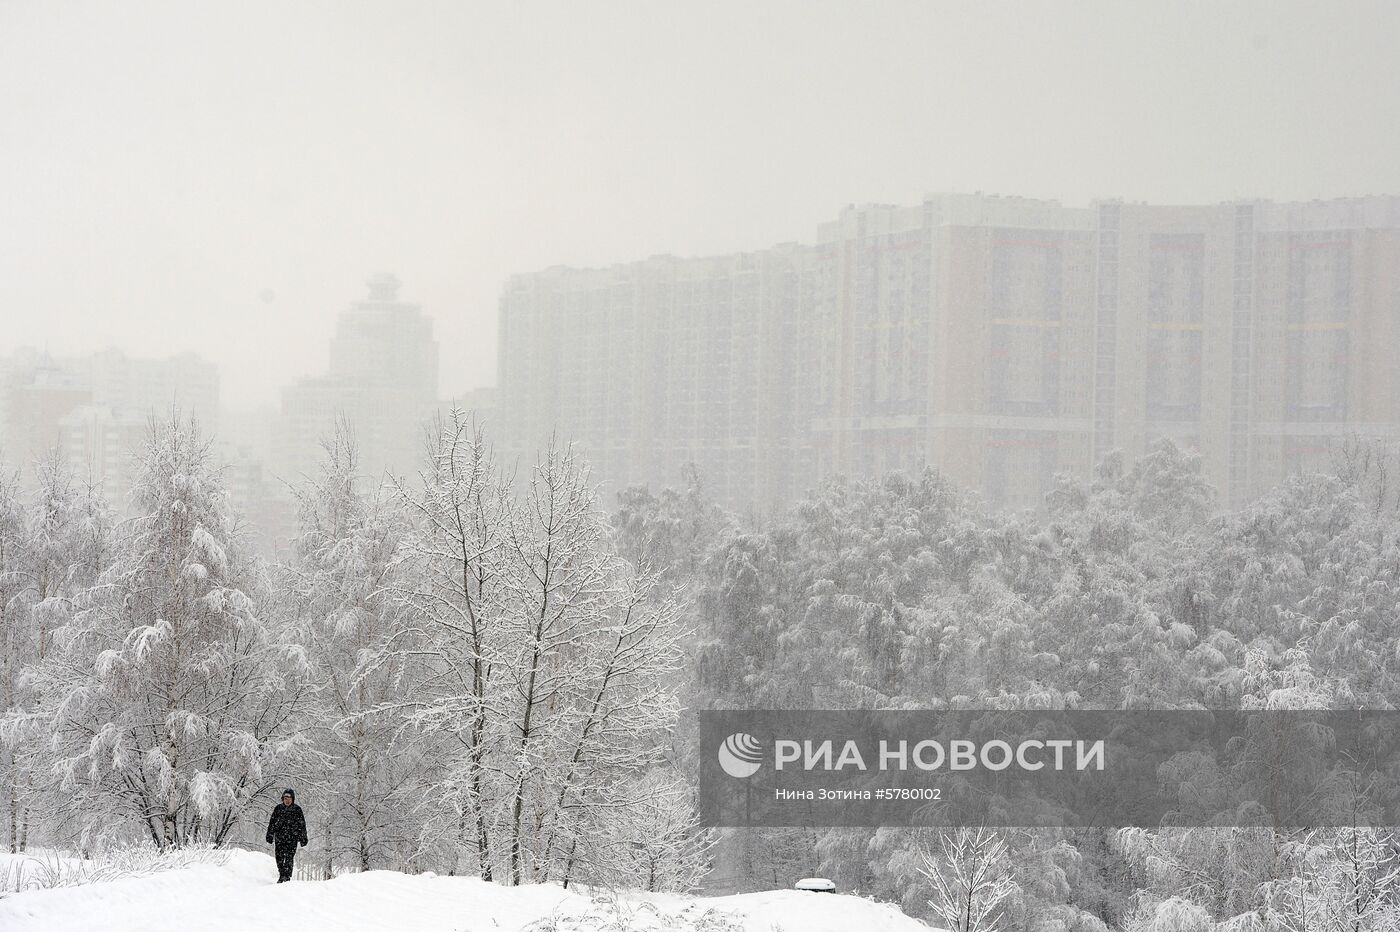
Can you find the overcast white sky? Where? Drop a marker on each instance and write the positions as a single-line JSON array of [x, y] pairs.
[[161, 164]]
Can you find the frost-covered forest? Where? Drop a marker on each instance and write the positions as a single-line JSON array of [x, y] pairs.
[[1128, 592], [485, 669], [460, 675]]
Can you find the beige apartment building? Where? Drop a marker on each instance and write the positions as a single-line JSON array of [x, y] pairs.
[[94, 412], [1002, 340]]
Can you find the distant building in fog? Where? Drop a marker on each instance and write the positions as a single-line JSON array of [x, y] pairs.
[[479, 404], [661, 363], [154, 387], [383, 380], [1002, 340], [35, 395], [101, 443], [93, 411]]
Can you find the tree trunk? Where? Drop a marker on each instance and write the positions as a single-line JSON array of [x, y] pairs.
[[518, 807], [330, 852]]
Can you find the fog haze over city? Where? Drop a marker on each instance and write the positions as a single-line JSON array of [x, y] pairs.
[[222, 178], [435, 435]]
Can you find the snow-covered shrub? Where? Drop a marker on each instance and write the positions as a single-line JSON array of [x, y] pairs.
[[51, 869], [609, 913]]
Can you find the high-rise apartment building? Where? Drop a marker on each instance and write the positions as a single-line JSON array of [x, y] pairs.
[[1324, 329], [100, 444], [1000, 339], [959, 335], [382, 380], [94, 411], [667, 362], [36, 393], [184, 384]]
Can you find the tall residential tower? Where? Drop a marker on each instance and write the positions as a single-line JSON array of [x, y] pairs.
[[1000, 339], [382, 381]]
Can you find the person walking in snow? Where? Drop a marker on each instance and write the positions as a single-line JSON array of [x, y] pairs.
[[286, 829]]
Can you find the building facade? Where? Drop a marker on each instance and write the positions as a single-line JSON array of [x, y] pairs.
[[382, 381], [1002, 340], [664, 363], [94, 412]]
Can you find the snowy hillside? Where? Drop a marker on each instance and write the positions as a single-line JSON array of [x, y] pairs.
[[242, 895]]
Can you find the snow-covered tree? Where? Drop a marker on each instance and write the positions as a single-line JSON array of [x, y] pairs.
[[560, 598], [621, 707], [1173, 914], [1342, 881], [56, 552], [589, 655], [544, 665], [170, 698], [344, 562], [972, 878], [15, 635], [671, 531], [452, 585], [649, 837]]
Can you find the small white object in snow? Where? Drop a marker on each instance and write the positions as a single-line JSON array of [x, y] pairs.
[[816, 885]]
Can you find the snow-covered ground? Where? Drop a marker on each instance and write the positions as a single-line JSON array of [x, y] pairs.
[[241, 894]]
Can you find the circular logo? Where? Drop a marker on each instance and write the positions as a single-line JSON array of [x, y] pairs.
[[741, 755]]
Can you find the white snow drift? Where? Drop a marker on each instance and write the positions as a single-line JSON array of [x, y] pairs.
[[241, 895]]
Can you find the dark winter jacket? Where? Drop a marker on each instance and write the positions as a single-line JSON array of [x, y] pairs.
[[287, 825]]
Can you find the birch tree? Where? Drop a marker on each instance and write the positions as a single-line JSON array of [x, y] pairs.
[[14, 638], [56, 551], [972, 879], [609, 781], [545, 664], [170, 698], [649, 839], [1347, 880], [345, 558], [562, 595], [452, 585]]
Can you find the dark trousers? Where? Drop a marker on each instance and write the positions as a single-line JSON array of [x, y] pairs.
[[284, 852]]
